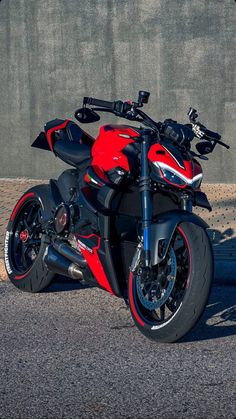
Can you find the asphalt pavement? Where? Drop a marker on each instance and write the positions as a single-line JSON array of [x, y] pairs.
[[75, 353]]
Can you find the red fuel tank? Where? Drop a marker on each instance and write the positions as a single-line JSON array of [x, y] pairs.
[[107, 151]]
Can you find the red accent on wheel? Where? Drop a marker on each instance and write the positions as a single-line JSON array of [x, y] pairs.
[[52, 130], [131, 300], [189, 252], [19, 203], [24, 235], [22, 276]]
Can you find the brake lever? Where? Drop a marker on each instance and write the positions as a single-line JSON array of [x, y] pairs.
[[221, 143], [202, 135]]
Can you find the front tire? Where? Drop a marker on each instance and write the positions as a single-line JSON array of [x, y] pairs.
[[189, 295], [26, 242]]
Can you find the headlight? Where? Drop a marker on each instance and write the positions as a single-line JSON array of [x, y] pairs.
[[177, 179], [172, 178]]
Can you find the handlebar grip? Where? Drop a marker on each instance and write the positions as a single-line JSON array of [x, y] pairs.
[[98, 102]]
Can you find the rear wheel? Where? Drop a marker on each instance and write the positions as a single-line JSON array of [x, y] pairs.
[[166, 302], [25, 241]]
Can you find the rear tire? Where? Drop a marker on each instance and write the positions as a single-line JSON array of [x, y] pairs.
[[26, 242], [196, 290]]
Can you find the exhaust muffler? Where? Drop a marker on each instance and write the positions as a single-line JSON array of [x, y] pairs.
[[59, 264], [69, 253]]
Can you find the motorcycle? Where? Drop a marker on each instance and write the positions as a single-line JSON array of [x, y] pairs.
[[121, 219]]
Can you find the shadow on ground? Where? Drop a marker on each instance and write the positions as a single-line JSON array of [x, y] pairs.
[[219, 317], [218, 320], [62, 284]]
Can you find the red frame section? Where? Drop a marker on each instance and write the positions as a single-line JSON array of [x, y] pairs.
[[95, 263]]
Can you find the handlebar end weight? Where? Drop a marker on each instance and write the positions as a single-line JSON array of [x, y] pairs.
[[143, 97]]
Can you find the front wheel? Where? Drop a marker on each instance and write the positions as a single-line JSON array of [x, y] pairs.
[[167, 302]]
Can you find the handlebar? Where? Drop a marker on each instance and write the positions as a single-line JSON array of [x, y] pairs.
[[117, 107], [98, 102], [182, 134], [129, 110]]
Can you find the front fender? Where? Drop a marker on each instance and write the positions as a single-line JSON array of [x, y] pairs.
[[163, 229]]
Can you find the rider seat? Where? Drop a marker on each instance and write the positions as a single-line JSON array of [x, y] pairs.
[[71, 144]]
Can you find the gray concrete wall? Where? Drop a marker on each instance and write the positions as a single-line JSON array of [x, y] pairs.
[[53, 52]]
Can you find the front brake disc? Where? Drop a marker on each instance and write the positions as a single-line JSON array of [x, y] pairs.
[[158, 294]]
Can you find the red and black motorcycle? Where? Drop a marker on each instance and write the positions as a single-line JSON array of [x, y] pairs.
[[122, 218]]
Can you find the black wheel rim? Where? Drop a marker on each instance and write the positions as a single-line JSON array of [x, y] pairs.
[[26, 236], [174, 301]]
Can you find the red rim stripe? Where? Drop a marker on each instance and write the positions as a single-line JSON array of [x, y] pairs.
[[19, 203], [23, 275], [131, 300]]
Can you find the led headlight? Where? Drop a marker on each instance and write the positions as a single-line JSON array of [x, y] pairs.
[[171, 177]]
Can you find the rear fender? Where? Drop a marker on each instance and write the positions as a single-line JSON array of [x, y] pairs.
[[45, 140], [164, 228], [41, 142]]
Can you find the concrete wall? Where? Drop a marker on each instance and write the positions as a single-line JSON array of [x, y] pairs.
[[53, 52]]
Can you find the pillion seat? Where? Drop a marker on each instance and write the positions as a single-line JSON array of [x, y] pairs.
[[73, 145]]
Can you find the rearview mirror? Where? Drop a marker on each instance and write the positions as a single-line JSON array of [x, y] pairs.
[[143, 97], [86, 115], [205, 147]]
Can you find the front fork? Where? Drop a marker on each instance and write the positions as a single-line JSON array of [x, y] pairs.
[[146, 194]]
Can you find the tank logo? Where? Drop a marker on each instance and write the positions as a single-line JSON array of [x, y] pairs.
[[7, 263]]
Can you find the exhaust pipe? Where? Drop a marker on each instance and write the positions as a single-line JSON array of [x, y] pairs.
[[69, 253], [60, 265]]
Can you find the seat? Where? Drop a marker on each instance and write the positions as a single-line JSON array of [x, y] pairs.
[[72, 152], [73, 145]]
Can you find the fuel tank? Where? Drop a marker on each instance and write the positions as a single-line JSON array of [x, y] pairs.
[[111, 151]]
